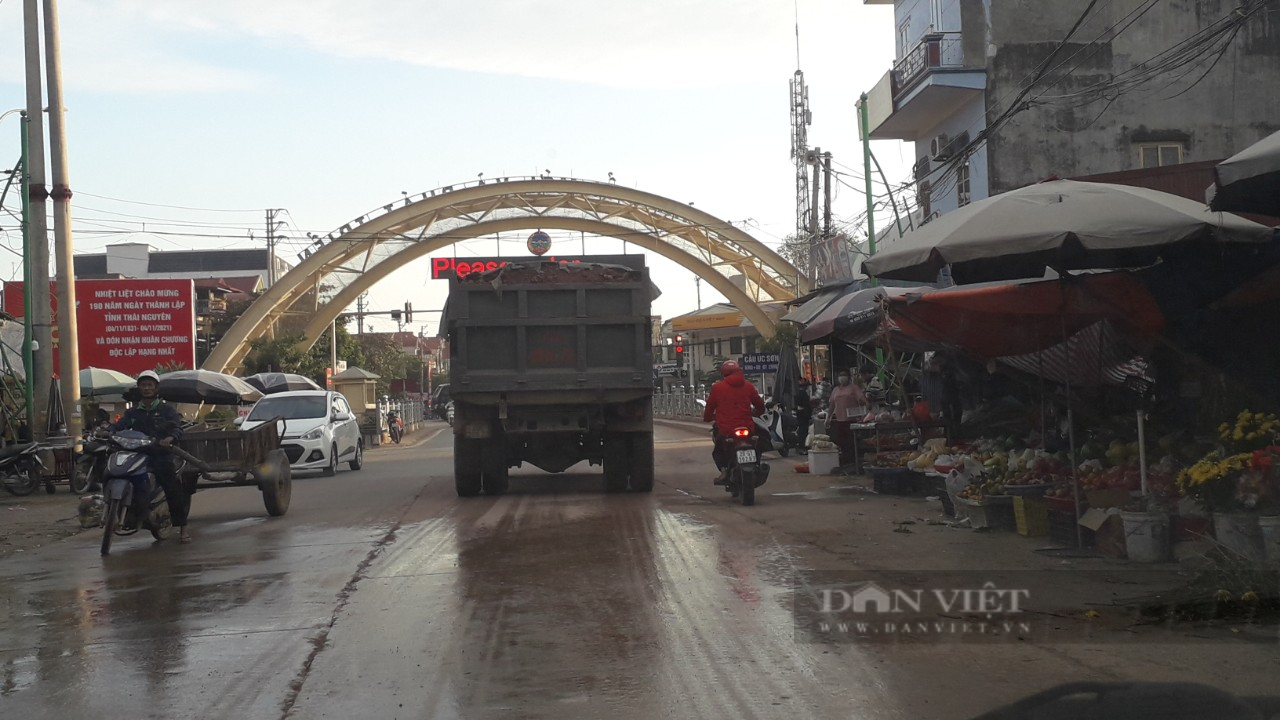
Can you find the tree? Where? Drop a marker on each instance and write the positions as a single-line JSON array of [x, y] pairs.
[[786, 337], [795, 250]]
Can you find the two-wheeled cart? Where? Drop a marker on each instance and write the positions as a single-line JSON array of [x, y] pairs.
[[238, 458]]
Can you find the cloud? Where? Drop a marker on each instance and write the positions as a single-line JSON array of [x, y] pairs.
[[633, 44], [107, 49]]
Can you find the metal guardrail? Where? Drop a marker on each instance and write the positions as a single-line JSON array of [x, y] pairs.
[[678, 404], [936, 50]]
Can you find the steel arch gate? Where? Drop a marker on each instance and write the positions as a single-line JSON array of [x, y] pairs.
[[359, 254]]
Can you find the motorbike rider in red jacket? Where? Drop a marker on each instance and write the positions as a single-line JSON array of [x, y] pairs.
[[732, 403]]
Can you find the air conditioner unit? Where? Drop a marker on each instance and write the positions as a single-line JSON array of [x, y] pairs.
[[940, 147]]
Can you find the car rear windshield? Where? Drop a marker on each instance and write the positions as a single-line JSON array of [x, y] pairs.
[[290, 408]]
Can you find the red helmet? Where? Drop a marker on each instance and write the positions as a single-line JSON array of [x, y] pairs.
[[729, 367]]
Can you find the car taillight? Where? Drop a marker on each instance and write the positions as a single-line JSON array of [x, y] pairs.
[[742, 432]]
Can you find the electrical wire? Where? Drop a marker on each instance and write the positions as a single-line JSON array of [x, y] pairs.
[[174, 207]]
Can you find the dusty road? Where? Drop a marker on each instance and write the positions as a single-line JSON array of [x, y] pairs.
[[382, 595]]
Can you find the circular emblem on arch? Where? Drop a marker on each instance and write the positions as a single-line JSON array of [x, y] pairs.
[[539, 242]]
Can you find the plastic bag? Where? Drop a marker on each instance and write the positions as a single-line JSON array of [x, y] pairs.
[[958, 480]]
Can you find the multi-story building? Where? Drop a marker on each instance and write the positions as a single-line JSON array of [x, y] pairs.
[[245, 271], [1000, 95]]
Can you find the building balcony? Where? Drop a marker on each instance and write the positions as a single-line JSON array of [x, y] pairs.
[[928, 85]]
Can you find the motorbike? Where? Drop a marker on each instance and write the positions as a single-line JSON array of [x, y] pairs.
[[746, 471], [128, 471], [448, 413], [780, 427], [395, 428], [21, 468], [90, 464]]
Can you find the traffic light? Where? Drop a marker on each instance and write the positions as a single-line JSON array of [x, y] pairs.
[[408, 312], [395, 315], [679, 351]]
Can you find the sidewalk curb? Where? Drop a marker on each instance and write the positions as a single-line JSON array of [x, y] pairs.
[[689, 425]]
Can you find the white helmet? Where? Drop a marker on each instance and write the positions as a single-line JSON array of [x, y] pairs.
[[148, 374]]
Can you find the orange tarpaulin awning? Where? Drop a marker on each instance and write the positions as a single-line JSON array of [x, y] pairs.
[[999, 320]]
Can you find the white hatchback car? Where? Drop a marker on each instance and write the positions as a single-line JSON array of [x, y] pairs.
[[319, 432]]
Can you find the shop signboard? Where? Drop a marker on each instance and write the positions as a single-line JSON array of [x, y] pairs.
[[759, 363], [708, 321], [126, 325], [443, 268], [832, 262]]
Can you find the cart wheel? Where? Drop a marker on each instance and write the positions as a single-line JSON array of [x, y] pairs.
[[275, 479]]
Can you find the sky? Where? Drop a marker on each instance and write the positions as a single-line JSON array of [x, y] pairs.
[[186, 120]]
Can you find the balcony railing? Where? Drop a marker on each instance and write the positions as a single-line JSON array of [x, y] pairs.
[[936, 50]]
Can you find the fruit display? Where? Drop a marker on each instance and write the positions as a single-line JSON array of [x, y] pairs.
[[978, 491], [919, 460]]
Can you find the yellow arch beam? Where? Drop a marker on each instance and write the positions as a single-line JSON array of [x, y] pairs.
[[539, 197], [326, 314]]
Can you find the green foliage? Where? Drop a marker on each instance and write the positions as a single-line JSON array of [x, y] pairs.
[[785, 338]]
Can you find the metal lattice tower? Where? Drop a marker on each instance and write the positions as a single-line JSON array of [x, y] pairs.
[[801, 118]]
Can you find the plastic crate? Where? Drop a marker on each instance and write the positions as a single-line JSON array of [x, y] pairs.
[[995, 512], [1032, 516], [1062, 529]]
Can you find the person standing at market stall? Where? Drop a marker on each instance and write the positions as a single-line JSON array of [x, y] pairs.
[[804, 413], [848, 405], [952, 407]]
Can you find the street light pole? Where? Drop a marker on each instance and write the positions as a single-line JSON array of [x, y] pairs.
[[68, 329]]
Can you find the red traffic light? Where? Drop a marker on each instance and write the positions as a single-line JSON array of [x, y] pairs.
[[679, 348]]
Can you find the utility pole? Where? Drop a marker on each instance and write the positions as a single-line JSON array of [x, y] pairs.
[[813, 219], [28, 360], [272, 226], [68, 330], [871, 206], [826, 193], [698, 282], [38, 290], [360, 313]]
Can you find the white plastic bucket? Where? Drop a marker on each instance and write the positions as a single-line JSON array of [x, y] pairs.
[[1270, 527], [1146, 536], [1239, 533]]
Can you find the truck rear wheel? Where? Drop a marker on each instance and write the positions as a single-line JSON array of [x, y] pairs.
[[495, 468], [641, 463], [616, 463], [466, 466]]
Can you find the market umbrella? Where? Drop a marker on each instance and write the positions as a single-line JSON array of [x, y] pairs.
[[275, 382], [96, 382], [856, 314], [1249, 181], [206, 386], [996, 320], [1063, 225]]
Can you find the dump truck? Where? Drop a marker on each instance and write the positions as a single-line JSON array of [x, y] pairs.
[[551, 364]]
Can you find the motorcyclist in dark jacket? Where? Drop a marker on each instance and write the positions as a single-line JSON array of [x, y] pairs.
[[158, 419]]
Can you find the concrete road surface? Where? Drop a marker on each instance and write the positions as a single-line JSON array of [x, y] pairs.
[[382, 595]]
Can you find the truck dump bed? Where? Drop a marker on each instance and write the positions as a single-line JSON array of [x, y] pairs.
[[549, 327]]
